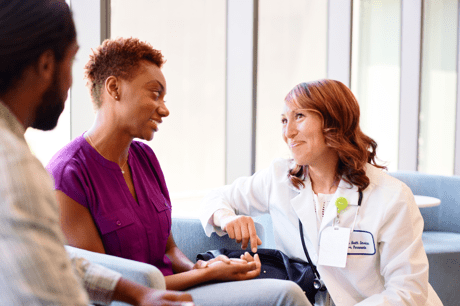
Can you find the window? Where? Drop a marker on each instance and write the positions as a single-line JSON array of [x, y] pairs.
[[375, 73], [438, 87], [292, 49], [190, 144]]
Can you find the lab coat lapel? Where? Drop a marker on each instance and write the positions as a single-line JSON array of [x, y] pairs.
[[304, 207], [345, 190]]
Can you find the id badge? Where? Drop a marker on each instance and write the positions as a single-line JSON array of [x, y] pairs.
[[333, 246]]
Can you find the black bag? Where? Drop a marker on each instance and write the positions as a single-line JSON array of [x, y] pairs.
[[275, 264]]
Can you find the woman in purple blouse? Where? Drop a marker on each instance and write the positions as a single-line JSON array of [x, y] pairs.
[[113, 195]]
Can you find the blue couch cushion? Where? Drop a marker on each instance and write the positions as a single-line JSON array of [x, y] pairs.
[[445, 217]]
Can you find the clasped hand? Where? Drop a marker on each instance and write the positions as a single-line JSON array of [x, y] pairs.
[[223, 268]]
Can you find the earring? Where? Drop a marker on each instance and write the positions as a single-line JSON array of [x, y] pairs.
[[116, 98]]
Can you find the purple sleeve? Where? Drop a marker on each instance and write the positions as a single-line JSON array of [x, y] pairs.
[[69, 179]]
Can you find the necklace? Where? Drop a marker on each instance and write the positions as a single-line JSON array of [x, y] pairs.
[[91, 142]]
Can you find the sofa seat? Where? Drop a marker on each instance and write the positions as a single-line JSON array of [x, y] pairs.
[[441, 236], [441, 242], [443, 252]]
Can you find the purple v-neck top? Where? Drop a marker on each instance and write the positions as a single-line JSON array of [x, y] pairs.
[[129, 229]]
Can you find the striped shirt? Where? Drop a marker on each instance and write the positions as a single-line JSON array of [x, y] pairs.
[[35, 269]]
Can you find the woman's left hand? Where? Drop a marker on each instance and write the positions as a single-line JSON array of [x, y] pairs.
[[246, 267], [201, 264], [247, 257]]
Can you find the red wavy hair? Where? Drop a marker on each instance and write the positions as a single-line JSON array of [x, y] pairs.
[[339, 110], [120, 57]]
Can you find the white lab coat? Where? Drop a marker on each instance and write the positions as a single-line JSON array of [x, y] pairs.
[[394, 273]]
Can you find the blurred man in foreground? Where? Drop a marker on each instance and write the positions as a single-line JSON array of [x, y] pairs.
[[37, 47]]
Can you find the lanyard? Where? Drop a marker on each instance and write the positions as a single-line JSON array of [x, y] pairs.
[[360, 200], [357, 209]]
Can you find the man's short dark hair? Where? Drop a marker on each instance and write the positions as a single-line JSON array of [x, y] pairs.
[[27, 29]]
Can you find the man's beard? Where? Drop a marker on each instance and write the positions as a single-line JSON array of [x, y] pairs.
[[51, 107]]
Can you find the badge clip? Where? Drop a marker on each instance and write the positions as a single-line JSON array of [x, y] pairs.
[[341, 203]]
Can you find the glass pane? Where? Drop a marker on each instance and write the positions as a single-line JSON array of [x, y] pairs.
[[292, 49], [192, 37], [439, 87], [375, 73]]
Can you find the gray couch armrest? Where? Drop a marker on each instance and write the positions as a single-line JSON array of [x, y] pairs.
[[138, 272]]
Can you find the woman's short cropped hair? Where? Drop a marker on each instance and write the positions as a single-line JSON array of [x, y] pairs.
[[339, 110], [121, 58]]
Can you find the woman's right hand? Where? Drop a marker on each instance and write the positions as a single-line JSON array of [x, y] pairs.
[[245, 268], [242, 229]]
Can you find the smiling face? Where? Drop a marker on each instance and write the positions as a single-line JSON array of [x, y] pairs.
[[303, 133], [142, 101]]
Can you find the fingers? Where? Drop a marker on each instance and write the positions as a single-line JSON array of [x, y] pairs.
[[241, 260], [238, 234], [243, 230], [257, 261], [239, 269], [253, 236], [245, 267], [251, 274], [223, 258], [254, 273], [252, 268], [230, 231], [233, 261], [244, 236], [247, 257], [237, 265]]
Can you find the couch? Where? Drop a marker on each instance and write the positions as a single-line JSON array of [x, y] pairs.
[[441, 236]]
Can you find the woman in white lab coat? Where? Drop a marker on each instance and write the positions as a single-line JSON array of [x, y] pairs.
[[368, 251]]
